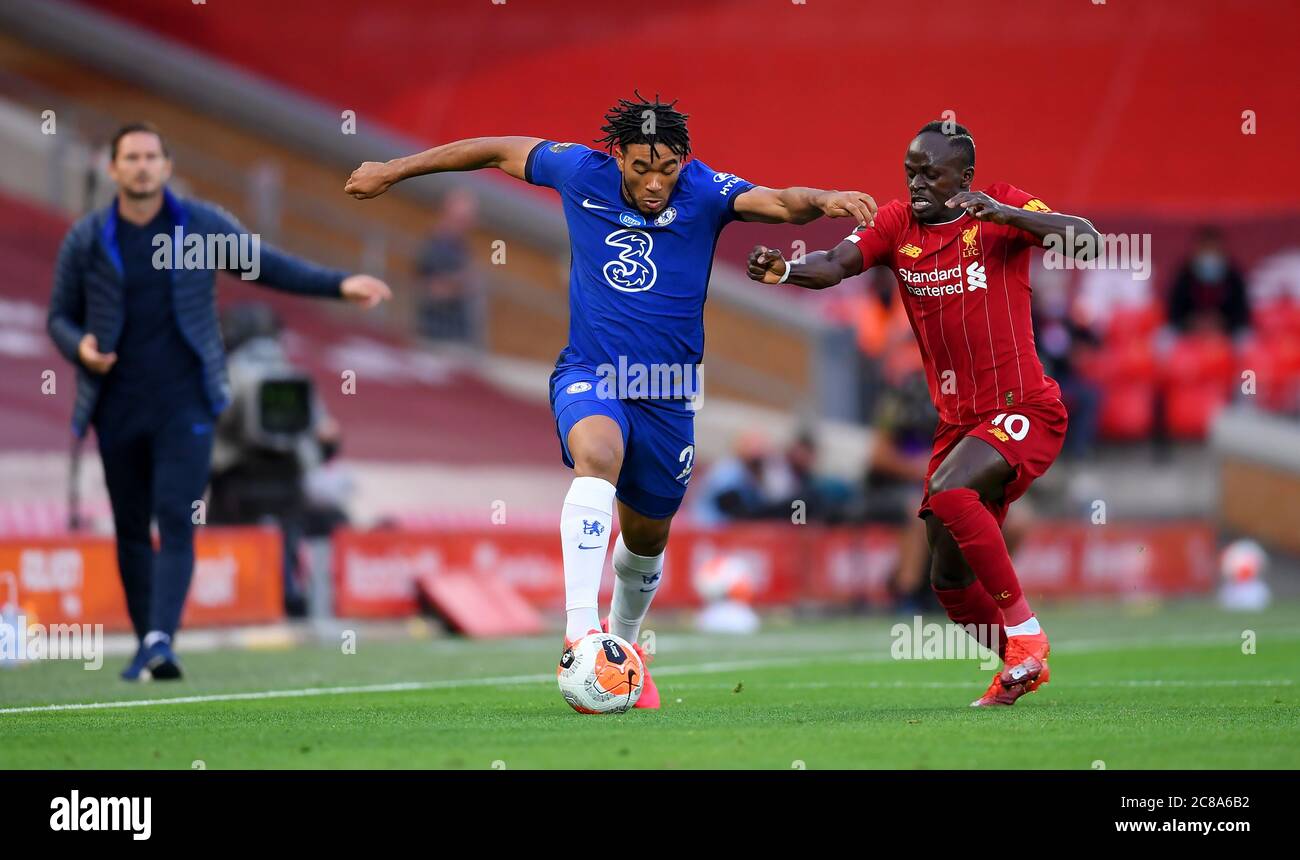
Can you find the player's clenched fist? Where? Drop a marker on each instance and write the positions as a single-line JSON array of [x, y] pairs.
[[766, 265], [371, 179], [848, 204]]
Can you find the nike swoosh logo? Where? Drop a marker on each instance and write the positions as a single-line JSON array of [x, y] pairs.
[[597, 546], [587, 204]]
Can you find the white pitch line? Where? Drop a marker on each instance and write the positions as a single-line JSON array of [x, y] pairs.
[[1079, 646], [404, 686], [307, 692]]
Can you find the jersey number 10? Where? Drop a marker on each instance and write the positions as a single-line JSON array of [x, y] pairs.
[[1016, 425]]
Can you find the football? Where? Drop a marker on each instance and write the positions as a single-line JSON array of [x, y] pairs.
[[600, 674]]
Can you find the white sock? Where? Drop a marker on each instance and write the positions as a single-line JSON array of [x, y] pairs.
[[636, 579], [584, 537], [1025, 628], [155, 636]]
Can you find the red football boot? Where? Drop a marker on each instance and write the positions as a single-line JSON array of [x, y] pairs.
[[649, 692], [1024, 671]]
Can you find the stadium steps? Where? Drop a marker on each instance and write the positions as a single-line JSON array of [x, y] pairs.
[[1137, 483]]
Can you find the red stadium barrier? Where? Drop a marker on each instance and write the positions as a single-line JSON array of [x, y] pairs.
[[237, 580], [376, 572], [1138, 560], [73, 579]]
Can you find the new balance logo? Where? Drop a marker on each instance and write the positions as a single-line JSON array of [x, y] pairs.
[[910, 250], [975, 279]]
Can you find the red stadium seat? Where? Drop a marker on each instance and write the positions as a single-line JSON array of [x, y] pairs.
[[1189, 409], [1196, 379], [1277, 318], [1134, 323], [1275, 361], [1126, 361], [1127, 374], [1127, 411], [1197, 358]]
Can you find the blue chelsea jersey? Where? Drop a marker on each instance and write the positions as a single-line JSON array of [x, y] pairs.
[[637, 284]]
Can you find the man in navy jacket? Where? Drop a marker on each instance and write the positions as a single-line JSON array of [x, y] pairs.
[[134, 308]]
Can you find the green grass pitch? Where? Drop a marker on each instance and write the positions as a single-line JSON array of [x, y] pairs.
[[1131, 688]]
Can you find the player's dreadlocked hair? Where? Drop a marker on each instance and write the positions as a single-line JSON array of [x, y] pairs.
[[640, 121], [958, 135]]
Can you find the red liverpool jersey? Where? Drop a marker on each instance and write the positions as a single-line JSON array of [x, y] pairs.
[[965, 284]]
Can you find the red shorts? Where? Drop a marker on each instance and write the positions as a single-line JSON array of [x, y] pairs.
[[1029, 437]]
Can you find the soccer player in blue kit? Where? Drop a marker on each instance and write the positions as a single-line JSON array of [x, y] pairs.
[[643, 219]]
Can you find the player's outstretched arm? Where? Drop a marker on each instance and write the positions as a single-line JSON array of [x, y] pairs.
[[815, 271], [801, 205], [1070, 228], [507, 154], [271, 267]]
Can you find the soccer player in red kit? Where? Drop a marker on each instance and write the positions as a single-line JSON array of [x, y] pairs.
[[961, 258]]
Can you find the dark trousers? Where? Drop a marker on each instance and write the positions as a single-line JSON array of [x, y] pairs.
[[157, 454]]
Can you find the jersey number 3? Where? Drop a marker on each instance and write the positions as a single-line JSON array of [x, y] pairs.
[[632, 271]]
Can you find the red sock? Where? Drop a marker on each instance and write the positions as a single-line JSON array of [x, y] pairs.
[[977, 534], [974, 605]]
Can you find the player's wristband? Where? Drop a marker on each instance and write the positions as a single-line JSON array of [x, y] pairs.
[[789, 267]]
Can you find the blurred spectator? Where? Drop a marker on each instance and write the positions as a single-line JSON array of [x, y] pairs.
[[1064, 342], [795, 479], [904, 432], [735, 488], [446, 306], [1209, 291], [904, 435], [886, 344]]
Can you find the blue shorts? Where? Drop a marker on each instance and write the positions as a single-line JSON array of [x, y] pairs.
[[658, 439]]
